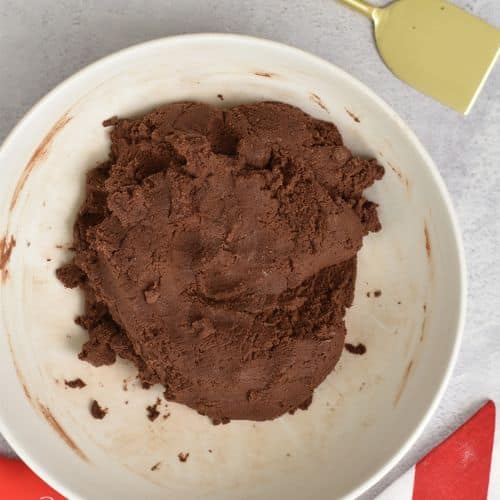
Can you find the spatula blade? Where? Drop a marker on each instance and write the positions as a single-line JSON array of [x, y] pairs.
[[437, 48]]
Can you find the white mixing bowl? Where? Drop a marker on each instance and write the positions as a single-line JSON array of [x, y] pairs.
[[367, 413]]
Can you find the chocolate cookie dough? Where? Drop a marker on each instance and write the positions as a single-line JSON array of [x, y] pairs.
[[217, 251]]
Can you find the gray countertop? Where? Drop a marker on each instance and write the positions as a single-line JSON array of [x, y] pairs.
[[44, 41]]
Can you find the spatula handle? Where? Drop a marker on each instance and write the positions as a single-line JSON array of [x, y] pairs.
[[361, 6]]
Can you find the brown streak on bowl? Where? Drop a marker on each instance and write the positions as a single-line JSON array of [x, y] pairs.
[[264, 74], [6, 247], [353, 116], [62, 433], [423, 328], [402, 178], [404, 380], [18, 371], [428, 247], [26, 392], [317, 100], [39, 153]]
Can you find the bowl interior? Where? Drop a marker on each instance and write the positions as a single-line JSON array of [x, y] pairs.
[[362, 417]]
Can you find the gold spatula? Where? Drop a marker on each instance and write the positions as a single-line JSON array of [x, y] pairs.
[[434, 46]]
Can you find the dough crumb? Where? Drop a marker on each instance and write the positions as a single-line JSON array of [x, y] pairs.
[[152, 410], [77, 383], [359, 349], [97, 411]]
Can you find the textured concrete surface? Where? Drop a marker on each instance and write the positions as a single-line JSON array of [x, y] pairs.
[[43, 41]]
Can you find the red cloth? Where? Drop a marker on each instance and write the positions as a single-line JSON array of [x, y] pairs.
[[459, 468], [18, 482]]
